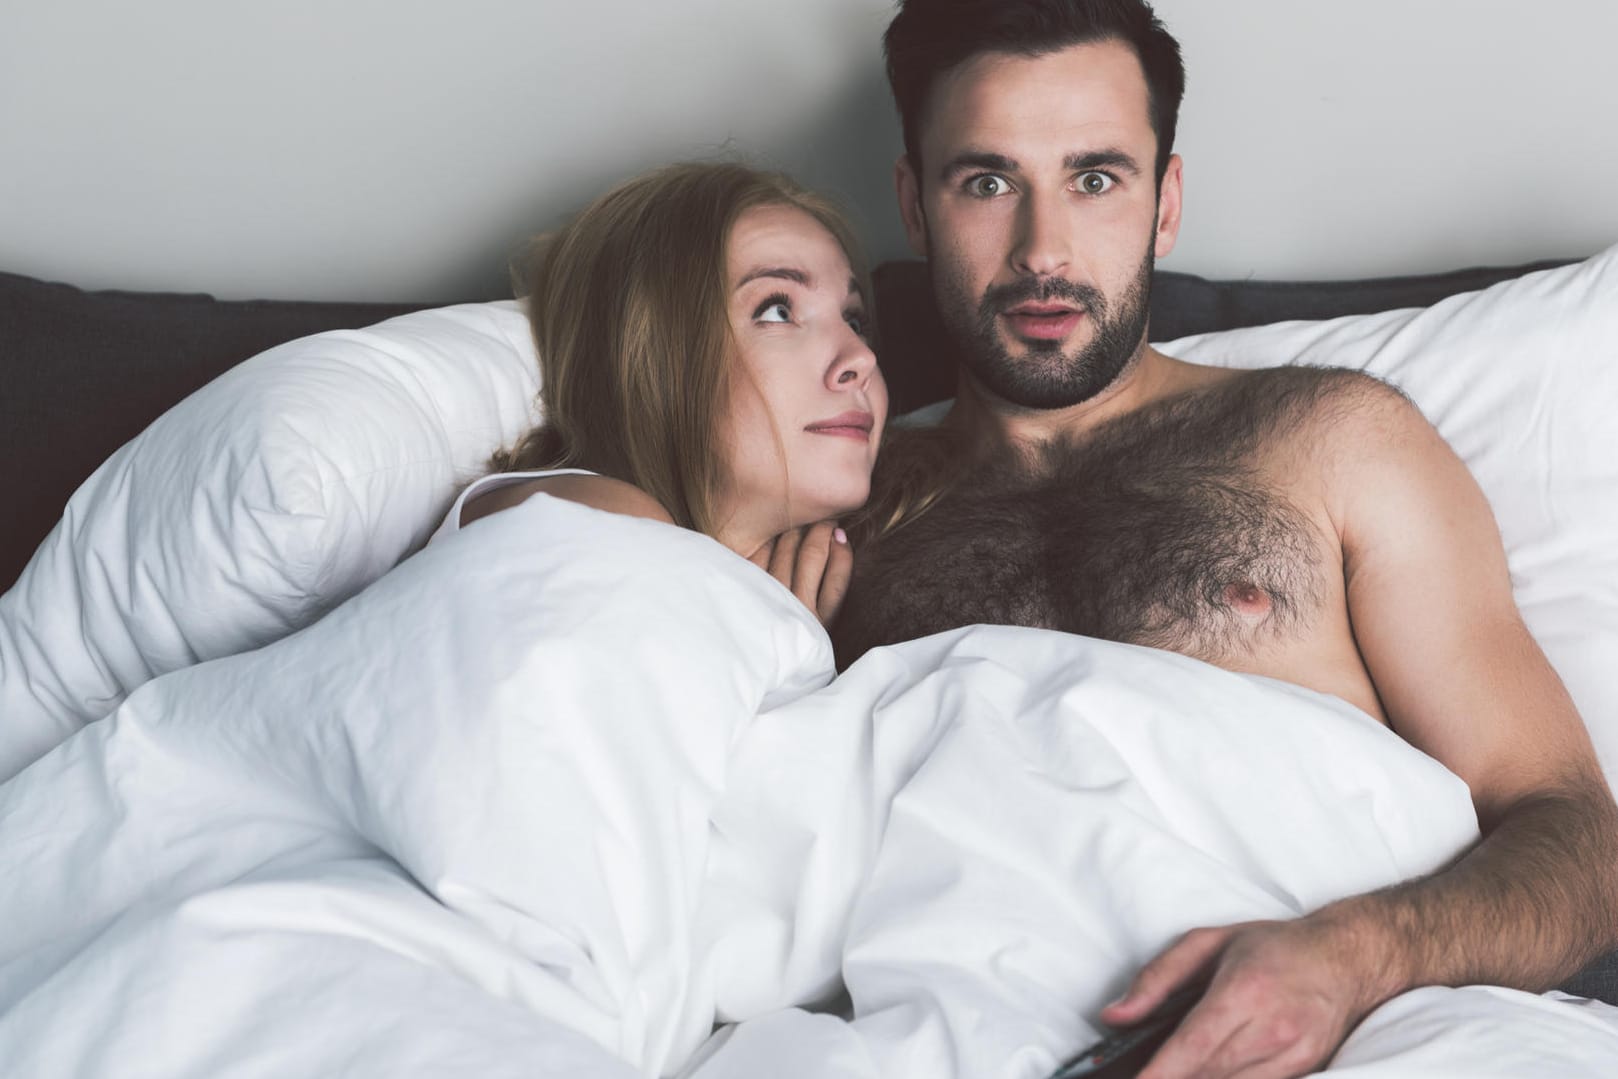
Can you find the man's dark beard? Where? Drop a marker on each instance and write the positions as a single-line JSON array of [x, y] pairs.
[[1047, 378]]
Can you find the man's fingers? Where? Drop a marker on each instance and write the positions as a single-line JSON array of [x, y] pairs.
[[1301, 1056], [1209, 1044], [1250, 1023], [1254, 1050], [1175, 966], [1277, 1005], [834, 584], [1275, 1067]]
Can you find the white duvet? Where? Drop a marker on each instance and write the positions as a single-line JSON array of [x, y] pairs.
[[574, 794]]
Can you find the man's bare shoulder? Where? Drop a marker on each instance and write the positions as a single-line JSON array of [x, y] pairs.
[[1352, 444], [1318, 393], [1225, 417], [1323, 412], [1359, 424]]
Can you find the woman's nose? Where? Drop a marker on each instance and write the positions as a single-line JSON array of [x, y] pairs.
[[855, 362]]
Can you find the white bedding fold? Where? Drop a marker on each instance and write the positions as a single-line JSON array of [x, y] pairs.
[[561, 793], [1043, 814], [531, 720]]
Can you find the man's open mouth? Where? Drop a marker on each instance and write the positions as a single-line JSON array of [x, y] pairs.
[[1042, 321]]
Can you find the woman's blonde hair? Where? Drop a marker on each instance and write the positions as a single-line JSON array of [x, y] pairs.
[[915, 469], [629, 310]]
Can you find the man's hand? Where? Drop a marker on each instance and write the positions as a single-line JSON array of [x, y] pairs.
[[815, 562], [1281, 999]]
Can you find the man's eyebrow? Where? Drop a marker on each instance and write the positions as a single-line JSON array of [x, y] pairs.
[[1106, 158], [784, 273], [977, 159], [1102, 159]]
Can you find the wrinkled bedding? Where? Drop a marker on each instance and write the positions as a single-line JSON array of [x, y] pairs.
[[576, 794]]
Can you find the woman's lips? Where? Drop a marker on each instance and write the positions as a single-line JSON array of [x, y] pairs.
[[856, 425], [1042, 323]]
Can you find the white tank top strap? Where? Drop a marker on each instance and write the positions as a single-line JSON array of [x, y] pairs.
[[493, 481]]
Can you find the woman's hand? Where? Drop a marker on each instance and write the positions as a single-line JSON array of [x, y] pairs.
[[815, 562]]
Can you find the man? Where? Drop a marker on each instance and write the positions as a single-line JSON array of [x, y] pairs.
[[1303, 524]]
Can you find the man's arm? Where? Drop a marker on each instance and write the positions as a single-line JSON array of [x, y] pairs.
[[1430, 604]]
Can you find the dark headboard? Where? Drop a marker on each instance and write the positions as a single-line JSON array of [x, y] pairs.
[[85, 372]]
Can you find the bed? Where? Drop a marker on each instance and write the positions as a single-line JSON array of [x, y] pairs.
[[278, 800]]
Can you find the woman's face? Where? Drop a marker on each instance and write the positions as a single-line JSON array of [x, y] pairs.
[[807, 401]]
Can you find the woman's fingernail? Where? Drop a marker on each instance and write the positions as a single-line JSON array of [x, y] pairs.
[[839, 535]]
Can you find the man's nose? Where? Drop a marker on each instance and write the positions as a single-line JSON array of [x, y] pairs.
[[1044, 244]]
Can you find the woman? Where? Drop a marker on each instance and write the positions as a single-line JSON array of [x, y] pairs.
[[703, 362]]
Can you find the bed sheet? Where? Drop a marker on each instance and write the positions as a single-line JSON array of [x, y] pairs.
[[568, 791]]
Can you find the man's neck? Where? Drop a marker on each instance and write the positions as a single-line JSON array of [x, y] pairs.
[[992, 423]]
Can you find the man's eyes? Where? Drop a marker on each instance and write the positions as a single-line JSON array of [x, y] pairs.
[[1093, 183], [988, 185]]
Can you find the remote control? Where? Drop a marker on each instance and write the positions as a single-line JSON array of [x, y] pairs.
[[1126, 1051]]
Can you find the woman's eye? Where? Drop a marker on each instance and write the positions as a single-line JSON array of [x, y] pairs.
[[1095, 183], [774, 311], [856, 322], [988, 185]]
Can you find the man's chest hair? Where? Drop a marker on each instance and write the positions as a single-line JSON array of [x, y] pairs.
[[1167, 527]]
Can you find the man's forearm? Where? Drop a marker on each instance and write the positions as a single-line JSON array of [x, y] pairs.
[[1527, 907]]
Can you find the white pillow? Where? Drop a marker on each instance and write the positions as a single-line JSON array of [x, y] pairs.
[[254, 506], [1522, 380]]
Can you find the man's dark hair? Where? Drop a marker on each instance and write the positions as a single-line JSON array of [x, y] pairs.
[[930, 37]]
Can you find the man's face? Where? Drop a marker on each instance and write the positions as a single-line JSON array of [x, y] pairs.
[[1038, 209]]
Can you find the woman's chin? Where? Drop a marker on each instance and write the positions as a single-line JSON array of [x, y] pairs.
[[840, 505]]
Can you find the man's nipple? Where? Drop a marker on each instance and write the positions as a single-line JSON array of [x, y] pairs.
[[1248, 600]]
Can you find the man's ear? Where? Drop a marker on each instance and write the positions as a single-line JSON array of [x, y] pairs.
[[1169, 201], [908, 187]]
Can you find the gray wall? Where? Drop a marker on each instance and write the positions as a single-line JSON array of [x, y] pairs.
[[398, 149]]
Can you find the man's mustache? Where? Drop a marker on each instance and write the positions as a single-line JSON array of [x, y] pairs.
[[1044, 290]]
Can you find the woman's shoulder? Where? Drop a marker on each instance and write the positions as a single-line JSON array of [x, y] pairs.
[[503, 490]]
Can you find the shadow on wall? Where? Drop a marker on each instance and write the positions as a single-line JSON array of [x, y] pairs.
[[846, 149], [850, 151]]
